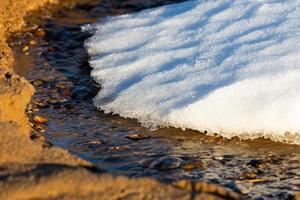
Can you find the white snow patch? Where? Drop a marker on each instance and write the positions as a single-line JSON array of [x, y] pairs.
[[225, 66]]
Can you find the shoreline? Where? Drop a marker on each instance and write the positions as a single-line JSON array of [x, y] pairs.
[[33, 169]]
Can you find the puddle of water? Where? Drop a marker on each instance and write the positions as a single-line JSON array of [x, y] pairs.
[[57, 66]]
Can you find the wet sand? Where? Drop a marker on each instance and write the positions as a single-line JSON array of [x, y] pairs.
[[57, 66]]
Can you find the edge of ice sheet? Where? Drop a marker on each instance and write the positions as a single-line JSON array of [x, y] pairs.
[[227, 67]]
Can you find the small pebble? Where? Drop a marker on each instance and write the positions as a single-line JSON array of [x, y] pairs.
[[25, 49], [32, 42], [40, 33], [95, 142], [166, 163], [136, 137], [37, 82], [51, 49], [119, 148], [40, 119]]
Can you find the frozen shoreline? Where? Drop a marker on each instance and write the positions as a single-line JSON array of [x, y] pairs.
[[197, 65]]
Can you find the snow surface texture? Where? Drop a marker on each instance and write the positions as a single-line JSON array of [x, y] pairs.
[[225, 66]]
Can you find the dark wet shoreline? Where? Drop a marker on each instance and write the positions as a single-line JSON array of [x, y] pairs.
[[59, 70]]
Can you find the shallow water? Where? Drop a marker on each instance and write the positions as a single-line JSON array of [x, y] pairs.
[[57, 66]]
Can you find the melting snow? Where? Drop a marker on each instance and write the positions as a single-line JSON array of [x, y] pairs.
[[225, 66]]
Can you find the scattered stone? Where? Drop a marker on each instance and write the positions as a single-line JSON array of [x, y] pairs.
[[37, 82], [56, 101], [40, 119], [51, 49], [25, 48], [119, 148], [40, 33], [95, 142], [166, 163], [137, 137], [194, 164], [31, 27], [40, 128], [146, 162], [32, 42]]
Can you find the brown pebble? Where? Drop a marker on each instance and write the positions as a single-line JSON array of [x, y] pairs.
[[25, 49], [119, 148], [40, 119], [40, 33], [37, 82], [137, 137], [95, 142], [32, 42], [51, 49]]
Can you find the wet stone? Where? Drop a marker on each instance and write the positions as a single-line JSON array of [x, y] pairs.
[[166, 163], [146, 162], [39, 128], [137, 137], [95, 142], [119, 148], [37, 82], [25, 48], [31, 27], [40, 119], [32, 42], [40, 33]]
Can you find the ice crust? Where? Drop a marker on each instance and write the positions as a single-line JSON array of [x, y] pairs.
[[225, 66]]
